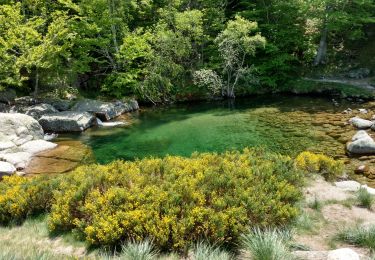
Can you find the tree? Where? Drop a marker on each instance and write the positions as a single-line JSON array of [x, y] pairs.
[[236, 43], [340, 20]]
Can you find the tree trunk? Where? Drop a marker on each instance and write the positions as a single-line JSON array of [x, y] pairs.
[[36, 87], [321, 55]]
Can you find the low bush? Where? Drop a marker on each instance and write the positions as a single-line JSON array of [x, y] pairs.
[[177, 201], [320, 164]]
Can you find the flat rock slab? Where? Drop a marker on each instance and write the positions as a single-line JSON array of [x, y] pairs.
[[68, 121], [67, 156]]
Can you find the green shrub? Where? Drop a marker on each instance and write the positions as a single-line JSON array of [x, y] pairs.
[[268, 244], [365, 199], [359, 236], [177, 201]]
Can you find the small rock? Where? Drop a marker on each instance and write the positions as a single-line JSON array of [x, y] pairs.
[[361, 123], [361, 143], [362, 169], [6, 169], [363, 111], [343, 254], [348, 185]]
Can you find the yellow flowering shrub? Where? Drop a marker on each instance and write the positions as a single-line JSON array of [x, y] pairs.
[[20, 197], [175, 200], [319, 163]]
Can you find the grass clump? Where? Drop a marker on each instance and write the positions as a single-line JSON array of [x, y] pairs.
[[364, 198], [269, 244], [204, 251], [359, 236], [138, 251], [316, 204]]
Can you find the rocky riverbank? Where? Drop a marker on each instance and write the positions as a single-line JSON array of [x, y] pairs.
[[29, 124]]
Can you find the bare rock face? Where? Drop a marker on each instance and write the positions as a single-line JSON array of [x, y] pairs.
[[68, 121], [343, 254], [17, 129]]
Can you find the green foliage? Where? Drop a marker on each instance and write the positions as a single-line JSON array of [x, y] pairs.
[[177, 201], [364, 198], [359, 236], [324, 88], [268, 244]]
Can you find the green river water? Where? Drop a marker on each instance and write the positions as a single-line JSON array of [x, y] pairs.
[[287, 125]]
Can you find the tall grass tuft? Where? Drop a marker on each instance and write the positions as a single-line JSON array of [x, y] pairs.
[[360, 236], [365, 199], [203, 251], [138, 251], [269, 244]]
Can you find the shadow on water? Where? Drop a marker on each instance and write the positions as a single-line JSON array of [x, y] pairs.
[[279, 123]]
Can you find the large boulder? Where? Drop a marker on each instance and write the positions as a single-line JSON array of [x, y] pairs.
[[361, 123], [37, 146], [17, 129], [362, 143], [59, 104], [68, 121], [37, 111], [103, 110]]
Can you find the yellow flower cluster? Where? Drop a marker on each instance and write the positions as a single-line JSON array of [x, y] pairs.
[[20, 197], [176, 201], [319, 163]]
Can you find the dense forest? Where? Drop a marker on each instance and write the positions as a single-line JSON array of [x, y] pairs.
[[165, 50]]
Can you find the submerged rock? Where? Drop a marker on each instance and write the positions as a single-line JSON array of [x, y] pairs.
[[361, 123], [64, 158], [67, 121]]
